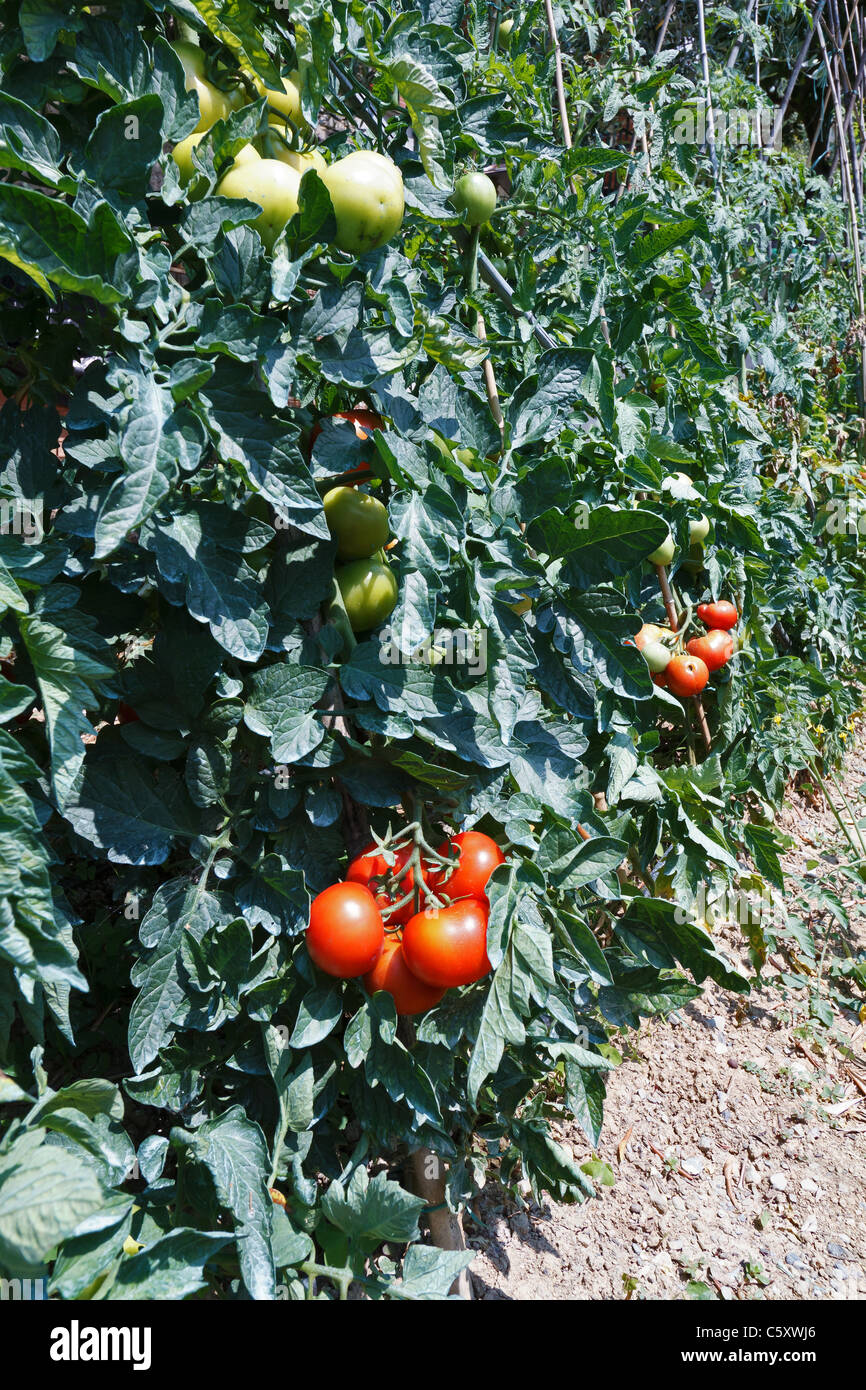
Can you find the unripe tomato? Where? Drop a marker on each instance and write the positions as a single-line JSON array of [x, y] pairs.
[[366, 191], [687, 675], [651, 633], [477, 857], [391, 973], [699, 530], [447, 946], [664, 553], [505, 29], [182, 155], [357, 521], [656, 655], [365, 422], [274, 186], [287, 101], [475, 197], [213, 104], [715, 648], [722, 615], [345, 935], [369, 592], [276, 146], [678, 484]]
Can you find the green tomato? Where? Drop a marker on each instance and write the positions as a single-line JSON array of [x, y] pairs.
[[213, 105], [367, 194], [357, 521], [656, 655], [271, 184], [475, 197], [678, 484], [506, 28], [288, 101], [278, 147], [699, 530], [369, 592], [182, 156], [664, 553]]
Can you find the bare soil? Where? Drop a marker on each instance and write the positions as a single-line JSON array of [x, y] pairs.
[[736, 1134]]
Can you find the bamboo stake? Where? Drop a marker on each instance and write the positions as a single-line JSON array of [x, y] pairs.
[[734, 55], [792, 80], [563, 116], [852, 208], [705, 68]]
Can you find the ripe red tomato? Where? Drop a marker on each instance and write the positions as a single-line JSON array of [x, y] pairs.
[[391, 973], [345, 935], [370, 864], [660, 678], [447, 946], [126, 714], [721, 616], [715, 648], [478, 856], [687, 675]]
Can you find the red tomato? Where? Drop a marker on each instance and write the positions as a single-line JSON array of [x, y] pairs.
[[722, 615], [687, 675], [126, 714], [371, 864], [447, 946], [715, 648], [345, 936], [661, 678], [391, 973], [478, 856]]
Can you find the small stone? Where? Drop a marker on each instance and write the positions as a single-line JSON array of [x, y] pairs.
[[779, 1181], [693, 1165], [659, 1202], [808, 1185], [809, 1227], [705, 1144], [837, 1251], [733, 1063], [794, 1257]]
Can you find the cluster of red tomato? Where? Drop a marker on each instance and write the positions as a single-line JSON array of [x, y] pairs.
[[422, 953], [686, 673]]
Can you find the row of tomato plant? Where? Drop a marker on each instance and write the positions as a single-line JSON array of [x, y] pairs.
[[335, 500]]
